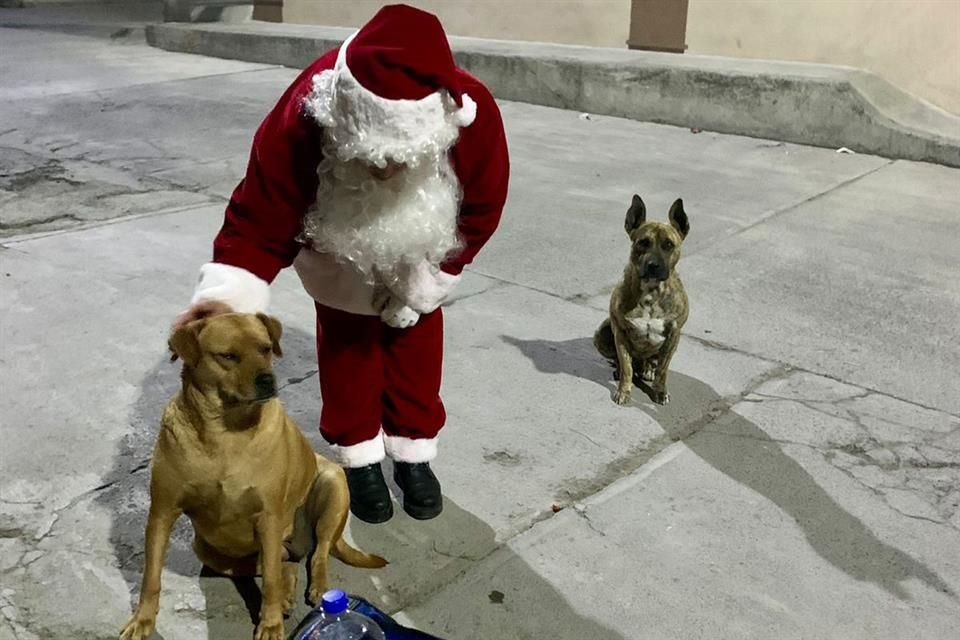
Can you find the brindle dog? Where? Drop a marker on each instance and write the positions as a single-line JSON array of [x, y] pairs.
[[649, 307]]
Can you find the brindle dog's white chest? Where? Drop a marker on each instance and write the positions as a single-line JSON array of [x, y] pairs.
[[646, 321]]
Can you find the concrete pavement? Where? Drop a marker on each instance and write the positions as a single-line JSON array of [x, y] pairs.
[[804, 483]]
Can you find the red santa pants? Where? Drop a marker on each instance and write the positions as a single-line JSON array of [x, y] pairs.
[[380, 386]]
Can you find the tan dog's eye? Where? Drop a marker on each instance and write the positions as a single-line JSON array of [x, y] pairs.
[[265, 351], [667, 246], [229, 357], [643, 244]]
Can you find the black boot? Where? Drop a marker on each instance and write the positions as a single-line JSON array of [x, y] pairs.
[[421, 489], [369, 495]]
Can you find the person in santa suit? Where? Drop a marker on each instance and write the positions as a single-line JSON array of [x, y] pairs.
[[379, 175]]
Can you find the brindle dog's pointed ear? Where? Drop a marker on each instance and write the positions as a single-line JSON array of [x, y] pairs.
[[275, 329], [184, 343], [678, 218], [636, 215]]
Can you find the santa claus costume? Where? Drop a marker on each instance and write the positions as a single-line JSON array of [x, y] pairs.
[[379, 175]]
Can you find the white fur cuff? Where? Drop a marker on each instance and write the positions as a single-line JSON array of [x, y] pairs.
[[409, 449], [361, 454], [238, 288]]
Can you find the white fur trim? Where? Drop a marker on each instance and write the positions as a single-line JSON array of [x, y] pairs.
[[467, 113], [409, 449], [236, 287], [333, 283], [360, 124], [361, 454], [425, 287]]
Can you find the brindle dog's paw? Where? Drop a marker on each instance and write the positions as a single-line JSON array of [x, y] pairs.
[[622, 396], [660, 396]]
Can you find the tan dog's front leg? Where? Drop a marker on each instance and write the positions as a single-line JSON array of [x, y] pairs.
[[625, 362], [659, 389], [270, 533], [160, 523]]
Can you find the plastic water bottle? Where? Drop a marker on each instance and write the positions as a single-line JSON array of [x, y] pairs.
[[335, 622]]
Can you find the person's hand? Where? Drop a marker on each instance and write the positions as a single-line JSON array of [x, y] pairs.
[[201, 310], [423, 286]]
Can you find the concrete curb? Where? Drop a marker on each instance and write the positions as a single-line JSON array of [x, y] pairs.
[[819, 105]]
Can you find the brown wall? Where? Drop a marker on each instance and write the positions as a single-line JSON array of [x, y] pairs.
[[599, 23], [915, 44]]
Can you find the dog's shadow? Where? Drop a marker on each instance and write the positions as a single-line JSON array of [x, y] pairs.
[[426, 554], [744, 452]]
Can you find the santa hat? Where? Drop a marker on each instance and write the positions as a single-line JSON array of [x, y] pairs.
[[394, 92]]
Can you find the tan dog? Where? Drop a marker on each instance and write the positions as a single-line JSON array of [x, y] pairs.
[[649, 307], [230, 458]]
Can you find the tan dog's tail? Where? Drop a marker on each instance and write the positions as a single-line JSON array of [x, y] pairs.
[[356, 558]]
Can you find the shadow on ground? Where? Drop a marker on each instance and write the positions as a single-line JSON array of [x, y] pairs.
[[744, 452], [228, 611]]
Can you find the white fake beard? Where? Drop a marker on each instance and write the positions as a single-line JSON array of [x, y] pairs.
[[377, 225]]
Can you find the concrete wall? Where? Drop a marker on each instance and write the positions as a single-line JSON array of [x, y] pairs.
[[914, 44], [598, 23]]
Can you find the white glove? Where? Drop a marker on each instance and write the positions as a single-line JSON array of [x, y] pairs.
[[392, 310], [398, 315], [423, 286]]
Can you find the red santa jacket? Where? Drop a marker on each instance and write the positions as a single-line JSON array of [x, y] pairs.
[[265, 214]]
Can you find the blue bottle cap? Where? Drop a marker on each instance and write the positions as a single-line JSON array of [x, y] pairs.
[[334, 601]]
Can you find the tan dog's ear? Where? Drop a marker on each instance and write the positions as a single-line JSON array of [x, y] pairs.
[[275, 329], [636, 215], [185, 345], [678, 218]]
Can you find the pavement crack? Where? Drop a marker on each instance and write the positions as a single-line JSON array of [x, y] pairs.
[[497, 284], [882, 496], [457, 556], [591, 440], [776, 213], [581, 511], [26, 224], [822, 374], [140, 467]]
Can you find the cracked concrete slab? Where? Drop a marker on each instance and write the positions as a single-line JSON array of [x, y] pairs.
[[735, 532], [596, 165], [859, 284], [765, 501], [106, 137], [542, 430], [75, 63]]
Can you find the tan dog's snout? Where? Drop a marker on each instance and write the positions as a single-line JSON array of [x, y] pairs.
[[265, 386]]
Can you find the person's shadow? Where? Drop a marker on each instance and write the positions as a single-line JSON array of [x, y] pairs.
[[425, 557], [741, 450]]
